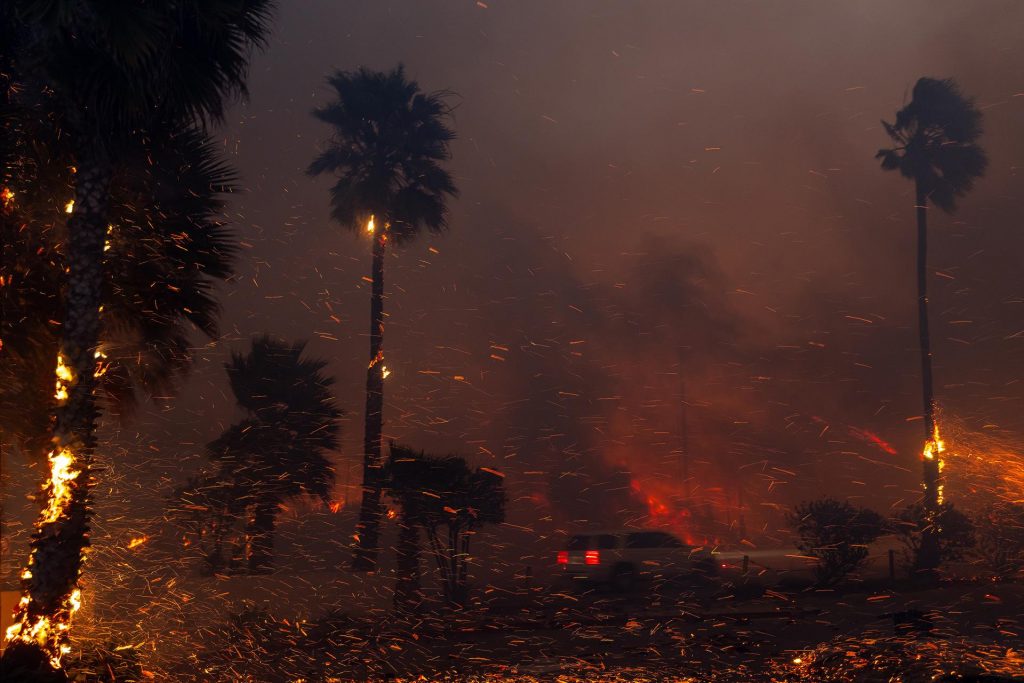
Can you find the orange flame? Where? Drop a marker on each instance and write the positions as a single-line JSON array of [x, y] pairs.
[[933, 450]]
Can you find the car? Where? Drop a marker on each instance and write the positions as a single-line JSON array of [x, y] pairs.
[[621, 558]]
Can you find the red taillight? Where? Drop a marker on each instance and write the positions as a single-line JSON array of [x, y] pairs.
[[563, 557], [592, 557]]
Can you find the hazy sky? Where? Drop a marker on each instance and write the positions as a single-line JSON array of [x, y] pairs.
[[652, 193]]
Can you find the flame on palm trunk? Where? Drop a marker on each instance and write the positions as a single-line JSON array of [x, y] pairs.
[[50, 632], [933, 450]]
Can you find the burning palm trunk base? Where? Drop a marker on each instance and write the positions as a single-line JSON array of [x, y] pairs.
[[44, 613]]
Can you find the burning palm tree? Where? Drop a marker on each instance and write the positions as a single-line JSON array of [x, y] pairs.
[[389, 139], [935, 138], [108, 73]]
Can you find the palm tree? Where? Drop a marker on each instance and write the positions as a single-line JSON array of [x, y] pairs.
[[169, 248], [388, 141], [449, 501], [279, 450], [935, 138], [110, 72]]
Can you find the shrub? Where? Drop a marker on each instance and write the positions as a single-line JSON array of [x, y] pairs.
[[1000, 536], [956, 533], [837, 533]]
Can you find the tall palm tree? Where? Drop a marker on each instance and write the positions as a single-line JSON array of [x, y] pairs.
[[935, 138], [388, 142], [112, 72], [279, 450]]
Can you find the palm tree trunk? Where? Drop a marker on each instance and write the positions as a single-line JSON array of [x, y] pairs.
[[368, 527], [407, 585], [58, 547], [261, 548], [928, 560]]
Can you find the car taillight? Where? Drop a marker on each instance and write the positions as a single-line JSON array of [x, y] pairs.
[[592, 557], [563, 557]]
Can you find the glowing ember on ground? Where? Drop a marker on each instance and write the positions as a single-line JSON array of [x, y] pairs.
[[136, 542]]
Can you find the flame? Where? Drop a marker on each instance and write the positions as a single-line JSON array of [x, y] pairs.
[[933, 450], [64, 378], [50, 634], [379, 360], [69, 207], [934, 446], [136, 542], [6, 198], [101, 367], [337, 506], [370, 225]]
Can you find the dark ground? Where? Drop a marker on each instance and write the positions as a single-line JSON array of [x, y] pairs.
[[675, 634]]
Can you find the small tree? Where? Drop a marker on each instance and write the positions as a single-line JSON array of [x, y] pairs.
[[837, 533], [1000, 536], [953, 529], [449, 501], [278, 451]]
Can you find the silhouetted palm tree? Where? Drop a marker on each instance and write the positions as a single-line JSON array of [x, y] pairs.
[[935, 138], [279, 450], [110, 72], [386, 149]]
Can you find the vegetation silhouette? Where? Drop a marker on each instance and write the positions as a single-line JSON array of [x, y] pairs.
[[277, 452]]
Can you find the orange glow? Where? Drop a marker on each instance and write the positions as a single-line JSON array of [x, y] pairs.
[[136, 542], [664, 512]]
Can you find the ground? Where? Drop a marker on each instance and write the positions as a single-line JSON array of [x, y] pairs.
[[679, 634]]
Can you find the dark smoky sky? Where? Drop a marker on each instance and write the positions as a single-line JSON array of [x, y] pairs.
[[653, 195]]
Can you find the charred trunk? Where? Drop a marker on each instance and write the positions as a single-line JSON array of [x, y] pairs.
[[368, 526]]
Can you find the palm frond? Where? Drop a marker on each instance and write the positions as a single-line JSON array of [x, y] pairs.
[[388, 140]]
